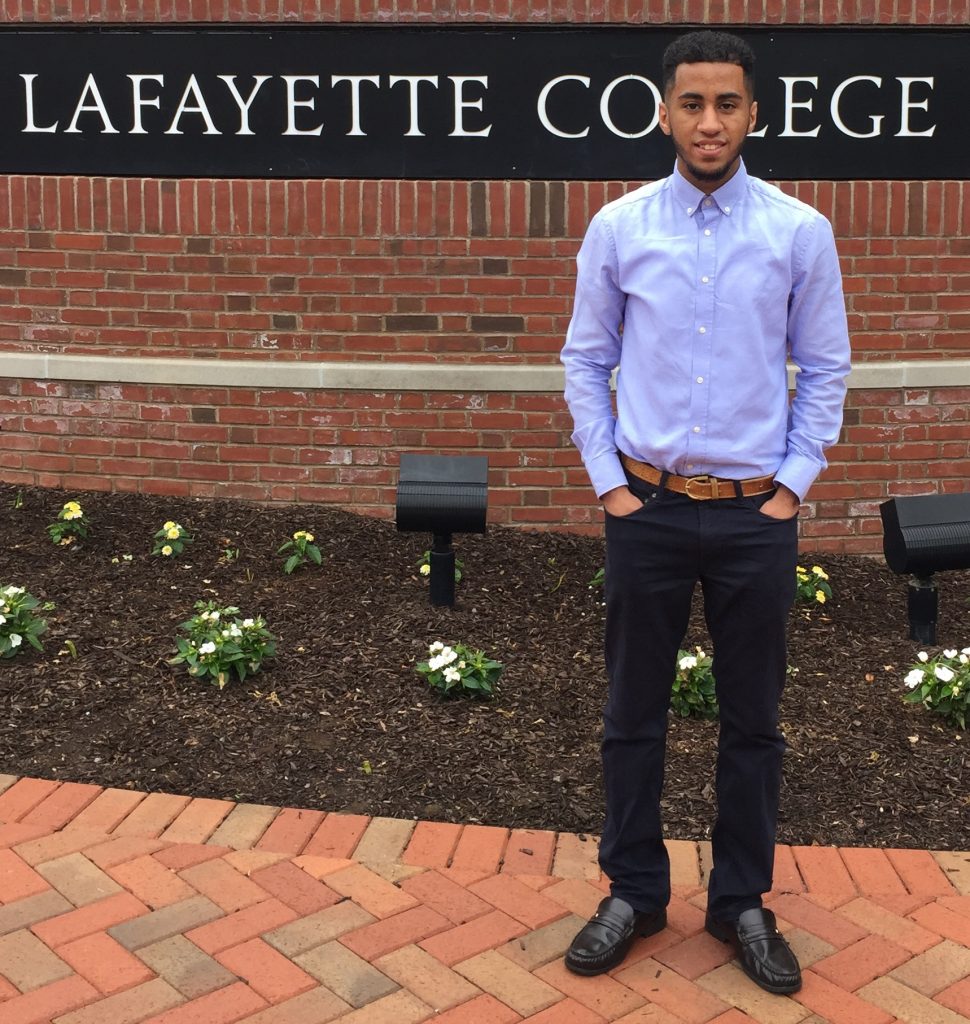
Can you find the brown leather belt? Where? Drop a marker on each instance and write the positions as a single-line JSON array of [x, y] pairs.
[[700, 488]]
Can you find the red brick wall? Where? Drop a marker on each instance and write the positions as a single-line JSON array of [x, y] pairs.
[[471, 273]]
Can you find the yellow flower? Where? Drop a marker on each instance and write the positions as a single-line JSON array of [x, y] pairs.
[[173, 533], [820, 572], [820, 597], [169, 525], [303, 535], [167, 549], [425, 569], [799, 568]]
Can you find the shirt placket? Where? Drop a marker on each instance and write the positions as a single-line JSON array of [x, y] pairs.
[[707, 218]]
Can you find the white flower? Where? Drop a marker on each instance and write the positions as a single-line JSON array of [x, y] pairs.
[[964, 659], [435, 647], [949, 654], [15, 639], [435, 663], [248, 623], [688, 661], [447, 656], [966, 650], [914, 678], [214, 616], [923, 656], [3, 619], [943, 673], [234, 630], [207, 648], [13, 591], [452, 675], [461, 664]]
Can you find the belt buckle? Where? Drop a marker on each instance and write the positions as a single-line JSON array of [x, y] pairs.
[[704, 479]]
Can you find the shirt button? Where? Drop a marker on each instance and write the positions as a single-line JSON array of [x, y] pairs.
[[727, 209], [690, 465], [700, 380], [702, 330], [697, 430], [690, 209], [707, 202], [707, 231], [705, 279]]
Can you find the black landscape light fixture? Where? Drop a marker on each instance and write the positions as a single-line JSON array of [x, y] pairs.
[[442, 495], [924, 534]]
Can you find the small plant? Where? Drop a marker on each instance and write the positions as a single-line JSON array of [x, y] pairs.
[[69, 525], [424, 565], [218, 643], [17, 502], [460, 669], [942, 684], [170, 540], [304, 550], [812, 586], [18, 623], [599, 578], [693, 692]]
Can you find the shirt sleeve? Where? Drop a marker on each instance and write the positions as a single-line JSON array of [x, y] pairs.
[[590, 354], [818, 341]]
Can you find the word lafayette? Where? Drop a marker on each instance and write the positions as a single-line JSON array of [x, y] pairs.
[[224, 105]]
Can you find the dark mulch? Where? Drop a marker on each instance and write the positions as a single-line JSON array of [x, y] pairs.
[[863, 768]]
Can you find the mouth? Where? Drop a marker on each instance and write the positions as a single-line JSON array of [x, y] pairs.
[[709, 148]]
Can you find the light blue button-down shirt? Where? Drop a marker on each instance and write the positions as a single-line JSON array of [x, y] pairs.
[[700, 300]]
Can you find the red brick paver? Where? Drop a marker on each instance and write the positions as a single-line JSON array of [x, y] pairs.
[[269, 915]]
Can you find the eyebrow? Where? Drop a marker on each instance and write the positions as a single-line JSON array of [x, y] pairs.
[[720, 96]]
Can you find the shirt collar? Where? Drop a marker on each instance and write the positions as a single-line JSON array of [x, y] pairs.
[[727, 197]]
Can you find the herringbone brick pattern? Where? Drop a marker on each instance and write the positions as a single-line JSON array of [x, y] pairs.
[[129, 908]]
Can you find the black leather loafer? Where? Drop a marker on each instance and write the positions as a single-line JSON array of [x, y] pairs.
[[766, 958], [606, 938]]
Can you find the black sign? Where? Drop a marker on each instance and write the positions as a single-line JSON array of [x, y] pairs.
[[390, 102]]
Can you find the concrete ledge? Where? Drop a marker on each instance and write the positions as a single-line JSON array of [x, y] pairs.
[[394, 376]]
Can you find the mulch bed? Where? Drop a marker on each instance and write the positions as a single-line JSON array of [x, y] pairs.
[[862, 768]]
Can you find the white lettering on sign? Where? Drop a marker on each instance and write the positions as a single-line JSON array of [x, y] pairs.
[[862, 106], [413, 82], [199, 107], [791, 105], [908, 105], [355, 81], [544, 99], [95, 107], [604, 107], [292, 103], [244, 105], [461, 104], [875, 121]]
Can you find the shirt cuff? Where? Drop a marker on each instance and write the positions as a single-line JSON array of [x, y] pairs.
[[798, 473], [606, 472]]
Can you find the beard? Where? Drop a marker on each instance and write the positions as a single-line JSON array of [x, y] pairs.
[[710, 174]]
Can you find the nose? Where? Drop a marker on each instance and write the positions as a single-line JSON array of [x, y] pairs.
[[710, 121]]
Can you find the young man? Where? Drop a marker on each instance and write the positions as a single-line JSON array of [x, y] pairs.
[[699, 288]]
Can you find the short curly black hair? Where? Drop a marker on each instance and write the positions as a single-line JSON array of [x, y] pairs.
[[708, 46]]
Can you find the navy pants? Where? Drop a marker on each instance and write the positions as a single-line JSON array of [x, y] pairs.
[[745, 564]]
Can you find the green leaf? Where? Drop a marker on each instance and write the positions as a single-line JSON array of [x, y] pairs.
[[314, 552], [291, 563]]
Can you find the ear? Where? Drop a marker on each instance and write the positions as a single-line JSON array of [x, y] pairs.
[[752, 116], [664, 120]]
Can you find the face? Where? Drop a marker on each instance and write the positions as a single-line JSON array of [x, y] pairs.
[[708, 113]]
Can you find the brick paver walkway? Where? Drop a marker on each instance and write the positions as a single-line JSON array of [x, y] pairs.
[[119, 907]]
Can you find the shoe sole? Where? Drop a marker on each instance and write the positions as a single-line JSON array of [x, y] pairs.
[[588, 971], [729, 939]]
